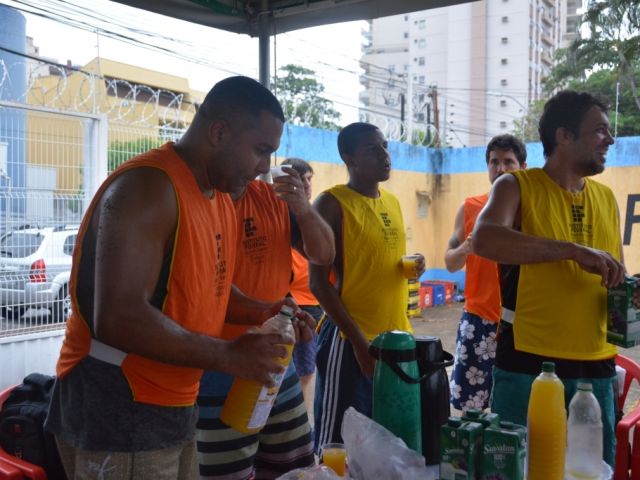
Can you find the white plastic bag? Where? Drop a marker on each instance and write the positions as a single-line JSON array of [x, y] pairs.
[[319, 472], [374, 452]]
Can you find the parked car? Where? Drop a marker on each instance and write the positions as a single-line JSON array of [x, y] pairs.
[[35, 267]]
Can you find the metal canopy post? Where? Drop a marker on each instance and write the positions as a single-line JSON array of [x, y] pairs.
[[264, 28]]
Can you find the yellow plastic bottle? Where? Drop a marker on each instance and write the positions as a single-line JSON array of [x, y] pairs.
[[546, 427], [249, 403]]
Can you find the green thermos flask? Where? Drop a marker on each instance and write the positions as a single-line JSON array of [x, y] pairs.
[[396, 386]]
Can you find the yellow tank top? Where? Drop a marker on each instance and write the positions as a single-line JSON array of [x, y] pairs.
[[561, 309], [374, 289]]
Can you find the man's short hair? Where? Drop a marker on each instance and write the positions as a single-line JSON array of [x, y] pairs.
[[299, 165], [349, 136], [239, 94], [507, 142], [566, 109]]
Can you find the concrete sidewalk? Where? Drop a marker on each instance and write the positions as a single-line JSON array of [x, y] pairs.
[[442, 321]]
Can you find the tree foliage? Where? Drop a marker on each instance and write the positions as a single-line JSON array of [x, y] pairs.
[[608, 55], [526, 128], [121, 151], [301, 96]]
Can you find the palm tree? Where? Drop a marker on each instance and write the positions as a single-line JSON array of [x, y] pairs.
[[613, 43]]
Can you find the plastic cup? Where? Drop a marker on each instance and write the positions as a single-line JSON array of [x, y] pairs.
[[410, 266], [277, 172], [334, 456]]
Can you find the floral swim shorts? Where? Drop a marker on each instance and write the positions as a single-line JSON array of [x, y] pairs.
[[471, 379]]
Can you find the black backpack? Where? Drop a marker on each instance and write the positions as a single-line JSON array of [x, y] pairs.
[[22, 419]]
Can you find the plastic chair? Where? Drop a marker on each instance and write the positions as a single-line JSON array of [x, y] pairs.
[[628, 422], [10, 464]]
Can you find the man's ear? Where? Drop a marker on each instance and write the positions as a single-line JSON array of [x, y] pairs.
[[347, 159], [564, 136], [218, 132]]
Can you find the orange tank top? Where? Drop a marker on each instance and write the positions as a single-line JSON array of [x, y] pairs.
[[482, 283], [299, 288], [263, 263], [201, 269]]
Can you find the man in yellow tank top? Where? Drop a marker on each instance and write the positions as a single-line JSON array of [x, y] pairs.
[[370, 293], [471, 378], [555, 233]]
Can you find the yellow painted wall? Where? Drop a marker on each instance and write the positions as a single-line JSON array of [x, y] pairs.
[[431, 234]]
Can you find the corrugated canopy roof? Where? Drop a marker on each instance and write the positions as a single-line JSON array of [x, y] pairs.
[[241, 16]]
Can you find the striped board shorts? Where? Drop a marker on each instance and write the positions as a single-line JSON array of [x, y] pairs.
[[340, 384], [282, 445]]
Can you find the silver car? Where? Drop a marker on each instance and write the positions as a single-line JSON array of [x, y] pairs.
[[35, 267]]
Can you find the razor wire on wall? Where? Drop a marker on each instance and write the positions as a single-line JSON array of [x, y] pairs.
[[69, 88]]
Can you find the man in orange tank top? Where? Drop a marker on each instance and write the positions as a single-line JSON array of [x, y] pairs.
[[151, 288], [304, 353], [272, 219], [471, 379]]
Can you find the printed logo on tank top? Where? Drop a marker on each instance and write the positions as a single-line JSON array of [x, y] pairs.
[[221, 268], [391, 234], [254, 246], [581, 232]]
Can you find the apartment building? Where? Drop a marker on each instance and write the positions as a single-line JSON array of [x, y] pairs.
[[469, 70]]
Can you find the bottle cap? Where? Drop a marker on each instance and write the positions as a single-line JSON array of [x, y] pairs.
[[473, 413], [585, 387], [454, 421], [548, 367], [286, 310]]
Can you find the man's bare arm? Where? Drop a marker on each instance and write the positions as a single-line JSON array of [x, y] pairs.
[[495, 238], [329, 208], [317, 243], [134, 222], [459, 247]]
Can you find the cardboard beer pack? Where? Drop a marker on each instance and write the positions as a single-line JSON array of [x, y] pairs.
[[623, 322]]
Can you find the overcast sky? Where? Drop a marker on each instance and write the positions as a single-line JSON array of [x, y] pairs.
[[203, 55]]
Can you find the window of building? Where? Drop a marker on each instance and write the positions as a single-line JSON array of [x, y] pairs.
[[503, 82], [406, 67], [421, 79], [505, 39], [503, 103], [503, 124], [504, 61], [422, 43], [406, 18], [406, 34], [420, 60], [505, 19], [421, 98], [420, 117], [422, 24], [392, 68]]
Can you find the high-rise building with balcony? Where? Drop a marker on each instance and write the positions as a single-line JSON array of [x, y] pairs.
[[469, 70]]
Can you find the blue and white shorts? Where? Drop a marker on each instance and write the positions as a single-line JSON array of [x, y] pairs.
[[471, 379]]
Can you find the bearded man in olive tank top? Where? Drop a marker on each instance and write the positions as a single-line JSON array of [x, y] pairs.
[[555, 232]]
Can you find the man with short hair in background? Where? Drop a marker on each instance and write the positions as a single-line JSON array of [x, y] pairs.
[[471, 378]]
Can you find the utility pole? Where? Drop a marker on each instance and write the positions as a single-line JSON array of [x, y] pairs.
[[410, 106], [436, 113], [402, 129]]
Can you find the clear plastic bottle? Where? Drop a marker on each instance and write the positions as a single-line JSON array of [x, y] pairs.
[[249, 403], [584, 449], [546, 427]]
